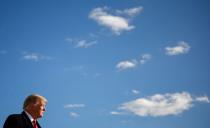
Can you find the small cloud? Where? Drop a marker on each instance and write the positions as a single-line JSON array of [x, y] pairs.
[[117, 24], [81, 43], [116, 113], [127, 64], [145, 58], [35, 57], [131, 11], [181, 48], [74, 114], [3, 52], [203, 99], [85, 44], [134, 91], [70, 40], [74, 106]]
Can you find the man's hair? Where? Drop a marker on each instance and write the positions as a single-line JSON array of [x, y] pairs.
[[33, 98]]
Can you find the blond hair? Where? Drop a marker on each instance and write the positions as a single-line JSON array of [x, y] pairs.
[[33, 98]]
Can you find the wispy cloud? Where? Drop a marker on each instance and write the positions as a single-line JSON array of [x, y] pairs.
[[144, 58], [74, 114], [130, 64], [3, 52], [34, 56], [134, 91], [131, 11], [74, 106], [84, 44], [115, 23], [161, 104], [116, 113], [181, 48], [127, 64], [78, 43], [203, 99]]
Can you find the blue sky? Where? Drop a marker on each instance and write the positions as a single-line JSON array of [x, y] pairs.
[[107, 64]]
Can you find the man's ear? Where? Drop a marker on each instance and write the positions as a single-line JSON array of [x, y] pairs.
[[29, 106]]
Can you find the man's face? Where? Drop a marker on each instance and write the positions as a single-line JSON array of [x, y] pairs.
[[38, 109]]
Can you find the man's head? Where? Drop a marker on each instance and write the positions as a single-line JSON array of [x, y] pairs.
[[35, 105]]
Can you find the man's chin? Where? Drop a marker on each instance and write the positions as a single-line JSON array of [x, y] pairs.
[[40, 116]]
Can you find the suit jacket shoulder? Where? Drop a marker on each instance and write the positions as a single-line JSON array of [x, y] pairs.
[[18, 121], [11, 121]]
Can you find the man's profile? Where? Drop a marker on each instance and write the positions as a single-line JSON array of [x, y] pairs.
[[33, 108]]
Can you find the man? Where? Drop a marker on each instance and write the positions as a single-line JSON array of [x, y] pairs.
[[34, 108]]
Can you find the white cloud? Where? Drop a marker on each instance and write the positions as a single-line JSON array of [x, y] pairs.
[[131, 11], [162, 104], [74, 114], [127, 64], [115, 23], [181, 48], [134, 91], [145, 58], [203, 99], [78, 43], [84, 44], [74, 106], [116, 113], [35, 56]]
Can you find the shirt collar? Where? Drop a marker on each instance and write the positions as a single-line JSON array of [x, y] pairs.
[[29, 116]]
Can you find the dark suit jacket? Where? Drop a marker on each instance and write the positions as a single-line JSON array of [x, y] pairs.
[[18, 121]]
